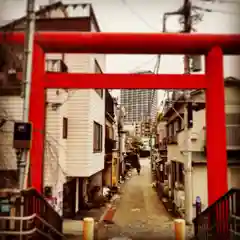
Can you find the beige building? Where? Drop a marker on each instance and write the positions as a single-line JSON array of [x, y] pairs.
[[75, 119], [176, 143]]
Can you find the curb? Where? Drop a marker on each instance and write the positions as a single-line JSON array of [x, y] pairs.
[[108, 214], [111, 208]]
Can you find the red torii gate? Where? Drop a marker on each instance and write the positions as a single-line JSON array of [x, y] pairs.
[[212, 46]]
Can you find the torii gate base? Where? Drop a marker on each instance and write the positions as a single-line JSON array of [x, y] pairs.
[[210, 45]]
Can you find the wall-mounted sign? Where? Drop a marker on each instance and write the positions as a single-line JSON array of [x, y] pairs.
[[22, 135]]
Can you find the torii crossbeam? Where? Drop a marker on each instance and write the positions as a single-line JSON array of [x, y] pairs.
[[212, 46]]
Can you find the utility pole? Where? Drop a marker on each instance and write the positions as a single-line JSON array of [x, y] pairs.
[[188, 162], [26, 86], [120, 134]]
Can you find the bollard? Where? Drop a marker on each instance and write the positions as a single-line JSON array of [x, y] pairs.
[[179, 229], [88, 229]]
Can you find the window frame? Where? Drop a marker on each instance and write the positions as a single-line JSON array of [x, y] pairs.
[[98, 70], [97, 139], [65, 128]]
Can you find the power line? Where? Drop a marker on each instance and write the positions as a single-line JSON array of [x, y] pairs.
[[138, 15], [212, 10], [142, 64]]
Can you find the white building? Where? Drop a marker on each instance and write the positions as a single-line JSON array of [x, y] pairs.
[[75, 119], [176, 146]]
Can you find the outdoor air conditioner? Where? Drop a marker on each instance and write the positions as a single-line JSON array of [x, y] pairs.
[[194, 136]]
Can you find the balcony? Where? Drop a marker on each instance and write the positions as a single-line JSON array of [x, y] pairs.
[[198, 138], [55, 65], [233, 137]]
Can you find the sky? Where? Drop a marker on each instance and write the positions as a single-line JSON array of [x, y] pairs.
[[146, 16]]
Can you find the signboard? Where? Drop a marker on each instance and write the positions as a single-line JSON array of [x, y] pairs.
[[114, 177]]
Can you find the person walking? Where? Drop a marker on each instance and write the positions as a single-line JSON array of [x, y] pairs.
[[135, 161]]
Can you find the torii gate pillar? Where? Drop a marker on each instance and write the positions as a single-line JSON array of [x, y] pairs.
[[215, 126]]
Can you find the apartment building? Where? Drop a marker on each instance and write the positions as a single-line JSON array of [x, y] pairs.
[[75, 119], [175, 141], [140, 105]]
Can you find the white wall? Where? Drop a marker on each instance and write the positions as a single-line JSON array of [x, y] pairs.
[[84, 107], [97, 113], [200, 187], [55, 146]]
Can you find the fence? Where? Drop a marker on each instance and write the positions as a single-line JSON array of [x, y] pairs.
[[27, 215], [221, 220]]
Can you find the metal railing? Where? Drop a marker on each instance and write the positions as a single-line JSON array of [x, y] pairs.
[[221, 220], [27, 215]]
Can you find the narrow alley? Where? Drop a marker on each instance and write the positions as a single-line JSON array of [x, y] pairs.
[[139, 212], [109, 119]]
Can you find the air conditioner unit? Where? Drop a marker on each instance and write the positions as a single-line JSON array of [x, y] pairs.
[[182, 202]]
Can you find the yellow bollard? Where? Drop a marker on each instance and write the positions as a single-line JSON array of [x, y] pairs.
[[88, 229], [179, 229]]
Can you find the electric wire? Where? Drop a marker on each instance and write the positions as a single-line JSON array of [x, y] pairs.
[[138, 67], [132, 10]]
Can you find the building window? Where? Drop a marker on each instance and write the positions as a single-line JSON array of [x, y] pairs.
[[65, 128], [181, 174], [179, 124], [97, 69], [97, 137]]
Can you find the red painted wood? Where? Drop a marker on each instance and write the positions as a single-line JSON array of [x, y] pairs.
[[216, 126], [130, 43], [136, 43], [160, 81], [37, 117]]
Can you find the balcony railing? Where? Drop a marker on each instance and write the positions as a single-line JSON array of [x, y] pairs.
[[233, 137], [221, 219], [28, 214]]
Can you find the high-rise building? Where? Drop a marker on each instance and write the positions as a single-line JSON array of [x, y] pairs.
[[140, 105]]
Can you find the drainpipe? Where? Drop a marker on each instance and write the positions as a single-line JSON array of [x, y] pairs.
[[188, 188], [26, 85], [24, 161]]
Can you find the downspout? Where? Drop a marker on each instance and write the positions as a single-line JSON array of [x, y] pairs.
[[26, 85]]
